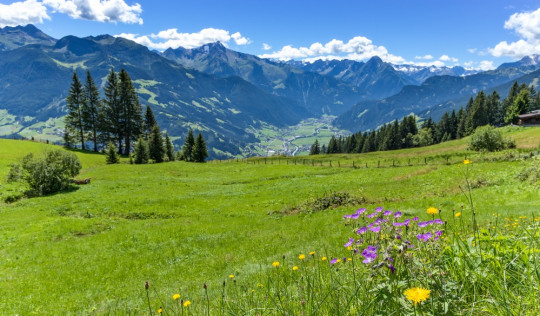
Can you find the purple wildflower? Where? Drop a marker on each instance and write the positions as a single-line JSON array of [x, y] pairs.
[[370, 253], [392, 268], [423, 224], [361, 210], [347, 216], [375, 229], [344, 260], [355, 216], [362, 230], [437, 235], [438, 221], [372, 215], [386, 213], [397, 214], [333, 261], [380, 220], [379, 209], [415, 219], [350, 243], [424, 237]]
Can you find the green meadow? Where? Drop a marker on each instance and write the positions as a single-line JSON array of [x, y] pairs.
[[179, 225]]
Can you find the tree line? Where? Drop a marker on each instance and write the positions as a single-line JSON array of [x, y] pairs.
[[117, 121], [481, 110]]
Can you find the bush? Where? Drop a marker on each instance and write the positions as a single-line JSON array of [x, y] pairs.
[[49, 173], [487, 138]]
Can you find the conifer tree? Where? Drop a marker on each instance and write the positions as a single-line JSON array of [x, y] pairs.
[[111, 156], [149, 121], [169, 148], [200, 152], [75, 106], [315, 148], [68, 139], [141, 151], [519, 106], [323, 149], [493, 108], [112, 121], [333, 147], [132, 110], [155, 145], [188, 146], [93, 109], [461, 129]]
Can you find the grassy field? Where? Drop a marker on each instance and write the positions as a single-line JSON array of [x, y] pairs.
[[179, 225]]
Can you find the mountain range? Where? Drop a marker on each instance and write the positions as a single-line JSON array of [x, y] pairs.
[[224, 94]]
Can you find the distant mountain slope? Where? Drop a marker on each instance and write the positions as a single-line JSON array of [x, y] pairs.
[[34, 81], [319, 94], [18, 36], [416, 99]]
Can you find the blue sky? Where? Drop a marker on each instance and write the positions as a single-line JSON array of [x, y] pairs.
[[475, 34]]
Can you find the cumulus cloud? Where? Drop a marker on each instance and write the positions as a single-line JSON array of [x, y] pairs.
[[486, 65], [448, 58], [98, 10], [266, 47], [357, 48], [22, 13], [425, 57], [171, 38], [527, 26]]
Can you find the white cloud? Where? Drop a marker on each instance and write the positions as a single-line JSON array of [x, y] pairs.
[[173, 39], [486, 65], [527, 26], [22, 13], [448, 58], [472, 50], [266, 47], [357, 48], [425, 57], [98, 10], [239, 39]]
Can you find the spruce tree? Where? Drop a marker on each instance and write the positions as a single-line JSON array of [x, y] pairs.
[[315, 148], [132, 110], [111, 156], [155, 145], [169, 148], [112, 119], [93, 109], [68, 139], [200, 152], [149, 121], [188, 146], [141, 151], [75, 105], [519, 106]]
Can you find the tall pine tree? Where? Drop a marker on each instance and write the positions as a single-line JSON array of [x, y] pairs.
[[132, 110], [169, 148], [188, 146], [93, 109], [149, 121], [112, 119], [200, 152], [155, 145], [75, 102]]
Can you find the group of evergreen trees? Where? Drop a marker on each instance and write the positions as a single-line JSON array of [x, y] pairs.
[[117, 120], [479, 111]]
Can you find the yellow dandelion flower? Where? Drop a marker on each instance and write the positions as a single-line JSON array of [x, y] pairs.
[[312, 253], [323, 258], [159, 311], [349, 259], [187, 303], [349, 248], [458, 214], [338, 260], [432, 211], [252, 291], [417, 294], [275, 264], [466, 161], [302, 257], [176, 296], [294, 268]]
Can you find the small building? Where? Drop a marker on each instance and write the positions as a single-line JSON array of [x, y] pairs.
[[530, 119]]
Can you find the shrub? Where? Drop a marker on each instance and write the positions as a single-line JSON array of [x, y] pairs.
[[487, 138], [51, 172]]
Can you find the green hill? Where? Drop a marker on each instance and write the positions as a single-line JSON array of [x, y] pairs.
[[179, 225]]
